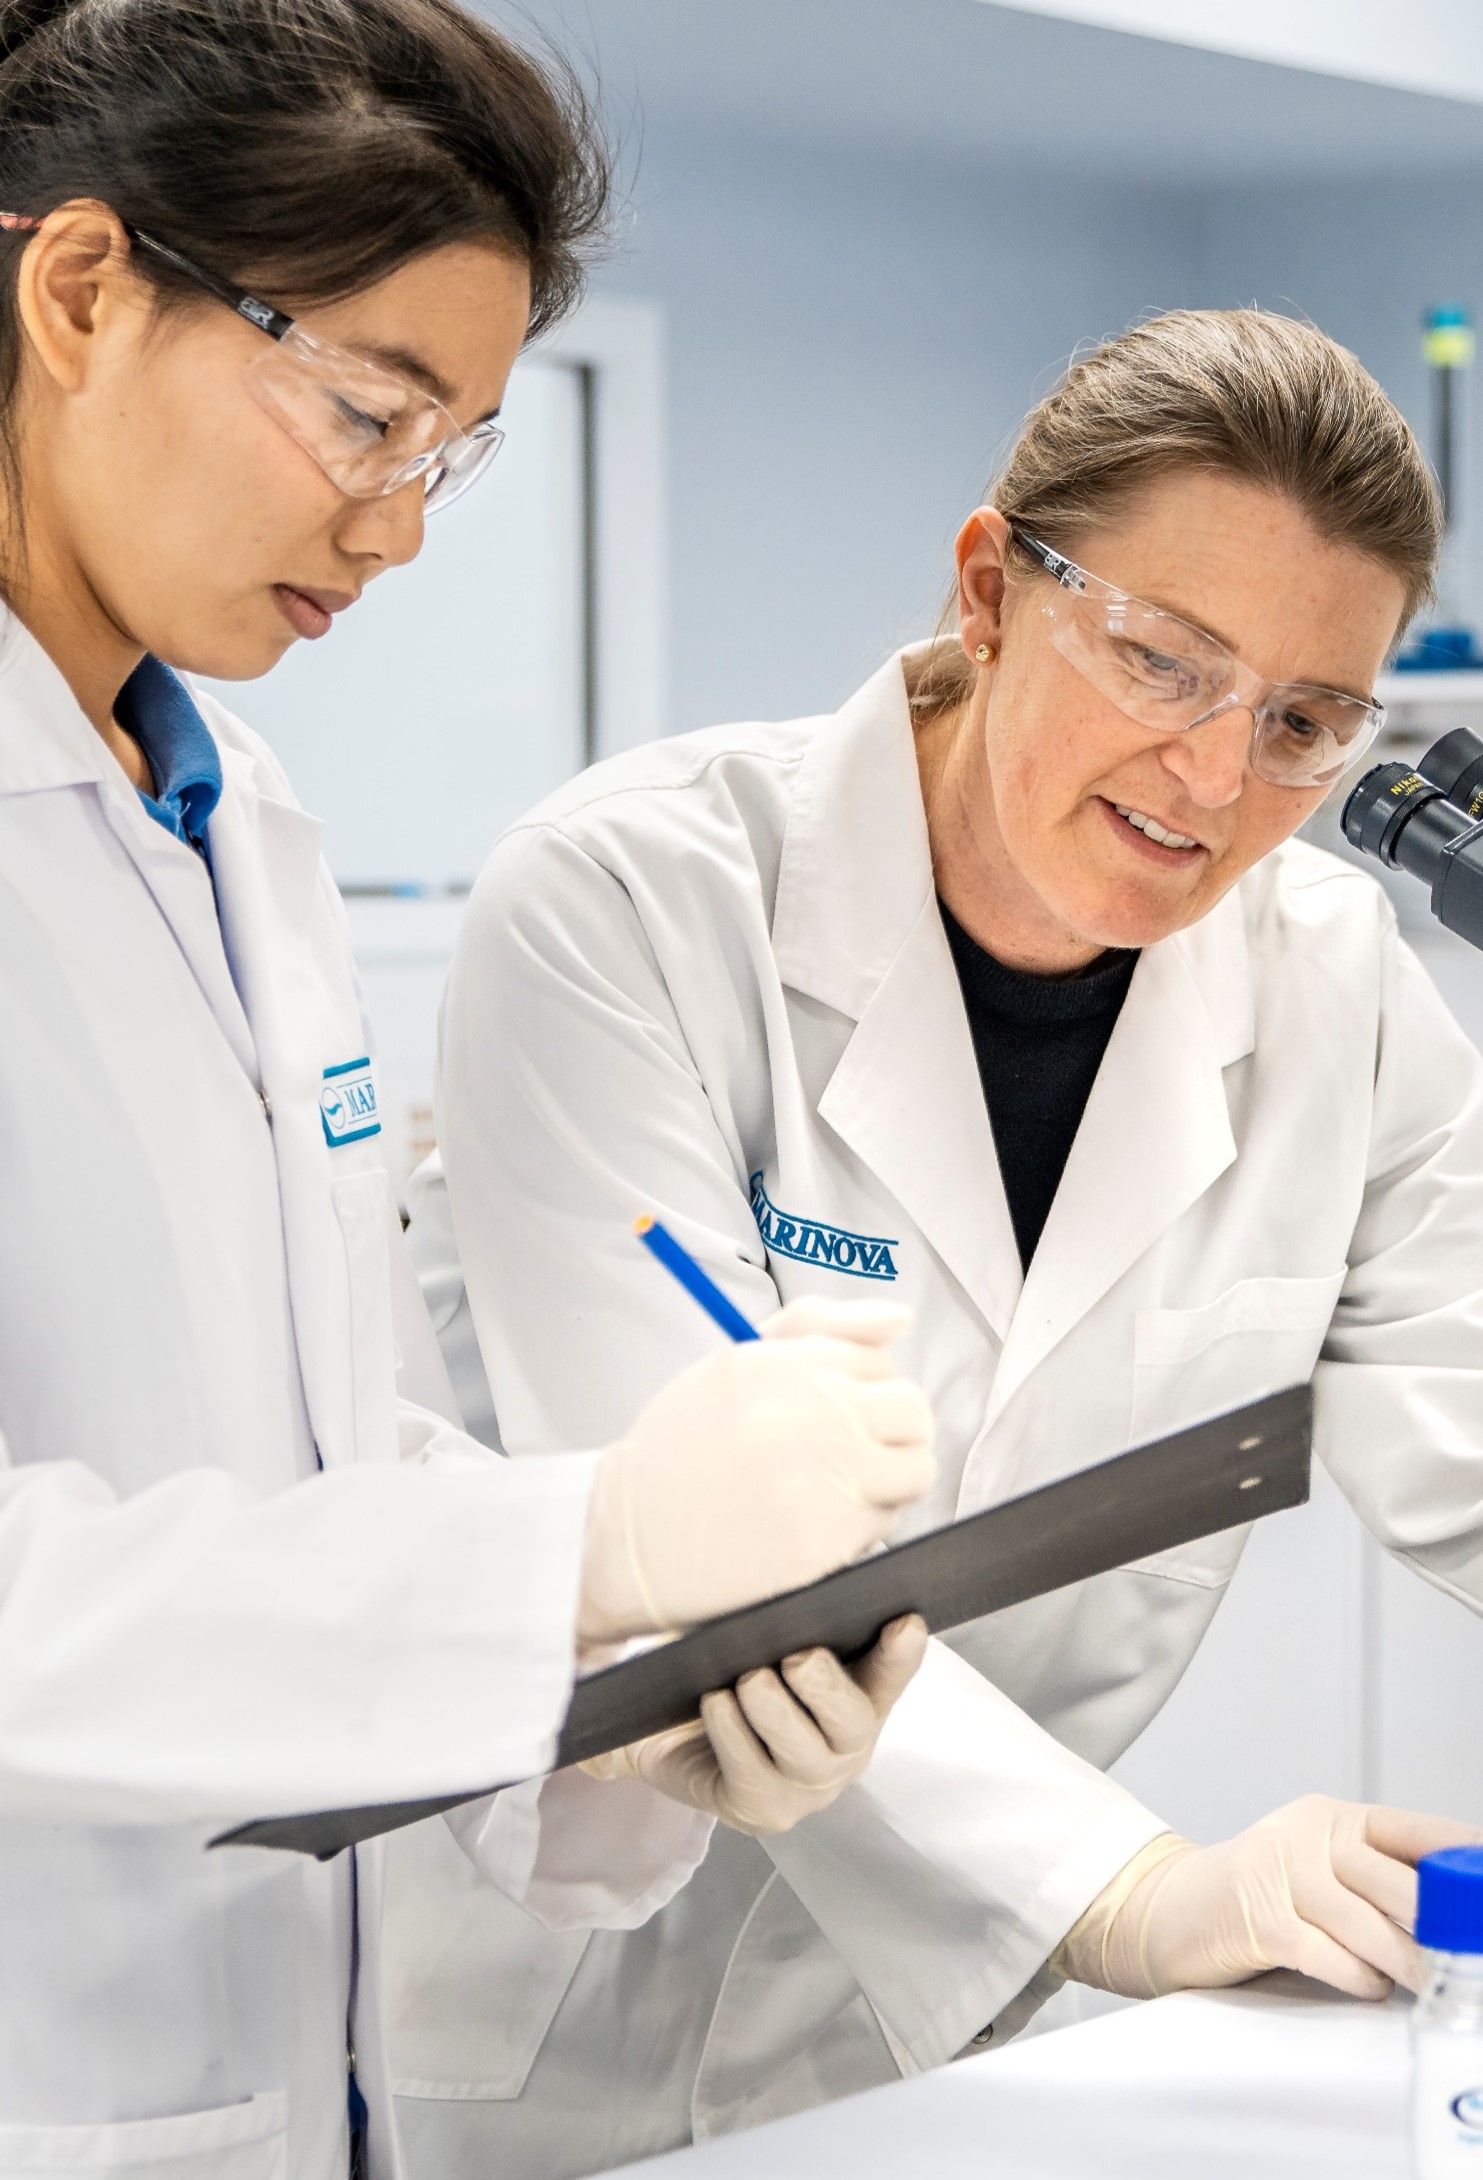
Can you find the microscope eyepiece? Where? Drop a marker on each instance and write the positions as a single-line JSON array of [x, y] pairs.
[[1455, 764], [1402, 816], [1382, 807]]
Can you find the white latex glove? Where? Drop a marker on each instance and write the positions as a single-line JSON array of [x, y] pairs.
[[761, 1468], [781, 1745], [1323, 1886]]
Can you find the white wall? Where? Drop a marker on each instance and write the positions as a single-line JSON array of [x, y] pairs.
[[449, 699]]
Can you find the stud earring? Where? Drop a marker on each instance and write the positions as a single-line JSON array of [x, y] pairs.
[[983, 654]]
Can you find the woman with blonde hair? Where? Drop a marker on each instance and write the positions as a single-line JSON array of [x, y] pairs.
[[1005, 991]]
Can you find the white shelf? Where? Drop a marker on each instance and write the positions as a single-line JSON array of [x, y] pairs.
[[1435, 691]]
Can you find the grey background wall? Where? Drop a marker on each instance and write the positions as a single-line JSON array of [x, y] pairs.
[[850, 341], [1364, 258]]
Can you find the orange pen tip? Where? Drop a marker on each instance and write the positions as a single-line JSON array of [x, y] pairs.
[[643, 1222]]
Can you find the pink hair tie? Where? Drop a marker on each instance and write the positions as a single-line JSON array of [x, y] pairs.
[[17, 220]]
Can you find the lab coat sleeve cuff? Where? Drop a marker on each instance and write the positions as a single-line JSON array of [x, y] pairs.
[[576, 1853], [550, 1501], [582, 1853], [947, 1875], [383, 1632]]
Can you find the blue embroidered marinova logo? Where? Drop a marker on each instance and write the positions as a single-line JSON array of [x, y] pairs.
[[347, 1103], [863, 1256]]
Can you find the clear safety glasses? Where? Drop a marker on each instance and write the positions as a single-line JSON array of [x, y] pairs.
[[1165, 673], [370, 430]]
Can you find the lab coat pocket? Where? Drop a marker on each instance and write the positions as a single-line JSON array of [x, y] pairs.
[[1257, 1337], [791, 2027], [362, 1206], [247, 2141], [471, 1982]]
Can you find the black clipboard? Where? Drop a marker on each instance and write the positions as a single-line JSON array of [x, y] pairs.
[[1214, 1476]]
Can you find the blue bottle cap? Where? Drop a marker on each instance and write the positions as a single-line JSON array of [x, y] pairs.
[[1449, 1901]]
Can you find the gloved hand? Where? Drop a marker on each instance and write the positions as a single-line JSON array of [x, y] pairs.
[[763, 1467], [781, 1745], [1327, 1887]]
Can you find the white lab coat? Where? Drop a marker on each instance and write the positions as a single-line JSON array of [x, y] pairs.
[[710, 980], [195, 1626]]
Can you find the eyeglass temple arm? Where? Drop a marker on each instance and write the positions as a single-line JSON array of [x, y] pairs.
[[273, 322], [262, 315], [1055, 564]]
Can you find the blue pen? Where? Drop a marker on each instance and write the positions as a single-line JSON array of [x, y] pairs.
[[661, 1243]]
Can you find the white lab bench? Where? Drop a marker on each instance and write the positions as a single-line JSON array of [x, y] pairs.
[[1281, 2079]]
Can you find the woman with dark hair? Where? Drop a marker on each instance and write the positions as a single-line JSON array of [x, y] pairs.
[[265, 266]]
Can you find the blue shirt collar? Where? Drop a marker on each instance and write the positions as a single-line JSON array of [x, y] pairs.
[[155, 706]]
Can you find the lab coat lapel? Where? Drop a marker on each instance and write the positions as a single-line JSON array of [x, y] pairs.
[[906, 1098], [860, 930], [181, 885], [266, 856], [48, 743], [1155, 1135]]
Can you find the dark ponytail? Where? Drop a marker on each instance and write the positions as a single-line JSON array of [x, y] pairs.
[[304, 148]]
